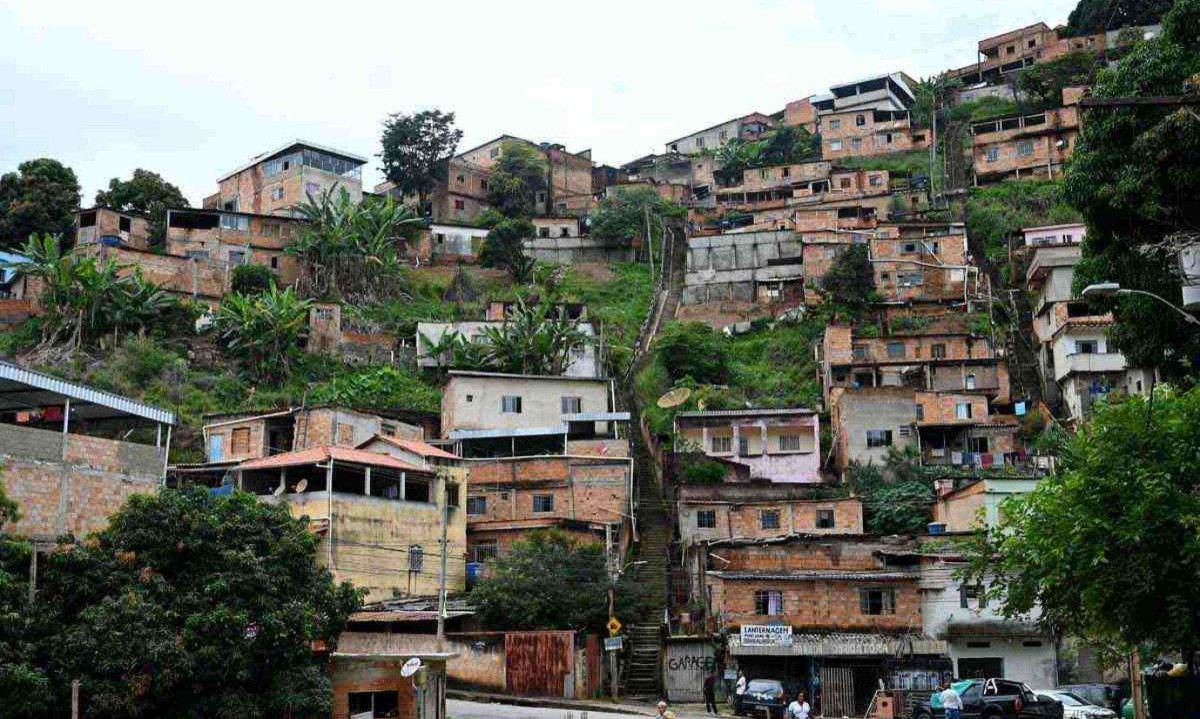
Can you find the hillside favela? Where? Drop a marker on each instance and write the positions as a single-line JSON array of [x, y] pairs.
[[777, 361]]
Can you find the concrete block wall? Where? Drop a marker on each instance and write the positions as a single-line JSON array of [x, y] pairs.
[[833, 604]]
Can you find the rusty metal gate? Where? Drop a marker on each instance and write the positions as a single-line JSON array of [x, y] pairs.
[[540, 663], [688, 663], [837, 692]]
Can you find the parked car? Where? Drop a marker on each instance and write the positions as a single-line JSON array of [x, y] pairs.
[[993, 699], [1110, 696], [763, 695], [1075, 706]]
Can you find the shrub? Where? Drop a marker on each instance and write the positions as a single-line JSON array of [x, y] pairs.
[[251, 279], [694, 350]]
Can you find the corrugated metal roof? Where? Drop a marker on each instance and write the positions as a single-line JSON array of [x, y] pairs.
[[404, 615], [747, 412], [810, 575], [316, 455], [371, 644], [48, 390], [843, 644]]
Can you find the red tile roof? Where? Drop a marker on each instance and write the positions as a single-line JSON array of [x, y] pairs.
[[415, 446], [316, 455]]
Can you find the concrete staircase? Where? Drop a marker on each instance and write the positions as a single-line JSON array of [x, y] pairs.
[[654, 534]]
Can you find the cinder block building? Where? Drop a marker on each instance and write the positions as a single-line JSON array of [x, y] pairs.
[[103, 225], [776, 445], [275, 182], [70, 454], [1023, 146]]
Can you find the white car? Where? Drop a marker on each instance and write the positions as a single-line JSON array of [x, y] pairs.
[[1075, 707]]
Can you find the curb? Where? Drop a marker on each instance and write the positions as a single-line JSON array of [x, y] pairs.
[[549, 702]]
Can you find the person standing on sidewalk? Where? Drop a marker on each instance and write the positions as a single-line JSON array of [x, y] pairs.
[[710, 693], [951, 702], [739, 692], [798, 709]]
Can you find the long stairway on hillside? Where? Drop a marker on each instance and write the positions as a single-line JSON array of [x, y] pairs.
[[653, 550]]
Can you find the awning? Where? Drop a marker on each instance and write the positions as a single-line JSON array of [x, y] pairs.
[[22, 389], [316, 455], [843, 644]]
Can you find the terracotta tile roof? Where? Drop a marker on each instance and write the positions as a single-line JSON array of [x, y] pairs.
[[315, 455], [416, 446]]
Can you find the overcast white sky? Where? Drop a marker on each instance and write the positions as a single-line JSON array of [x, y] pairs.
[[192, 90]]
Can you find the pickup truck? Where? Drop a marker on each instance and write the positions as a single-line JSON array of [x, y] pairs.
[[993, 699]]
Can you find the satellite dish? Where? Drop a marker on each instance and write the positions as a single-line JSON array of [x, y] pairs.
[[300, 486], [278, 491], [411, 667], [674, 398]]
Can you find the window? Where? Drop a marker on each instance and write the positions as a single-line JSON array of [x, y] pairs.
[[875, 181], [197, 254], [239, 442], [312, 188], [416, 558], [860, 120], [274, 263], [835, 124], [825, 519], [920, 413], [1033, 43], [494, 152], [789, 443], [706, 519], [237, 257], [844, 183], [240, 223], [859, 352], [743, 447], [971, 596], [699, 142], [572, 405], [835, 145], [276, 193], [768, 518], [855, 144], [541, 197], [345, 433], [460, 205], [374, 704], [877, 601], [980, 668], [723, 134], [962, 410], [971, 381], [278, 165], [910, 278], [879, 438], [785, 172], [991, 154], [124, 224], [230, 205], [510, 404], [1010, 49], [543, 232], [938, 351], [483, 185], [1086, 347], [722, 445], [908, 248], [485, 550], [460, 179], [895, 350], [564, 231], [1025, 148], [453, 495], [978, 445], [543, 503], [768, 602]]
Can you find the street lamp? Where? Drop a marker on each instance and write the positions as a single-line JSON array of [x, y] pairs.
[[1111, 289]]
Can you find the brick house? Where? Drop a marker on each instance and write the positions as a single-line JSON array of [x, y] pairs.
[[1031, 145], [777, 445], [865, 132], [827, 611], [102, 225], [366, 681], [747, 127], [274, 182], [63, 456]]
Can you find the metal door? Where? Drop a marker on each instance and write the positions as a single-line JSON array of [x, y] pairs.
[[837, 692]]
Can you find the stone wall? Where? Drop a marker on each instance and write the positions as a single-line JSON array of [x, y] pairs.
[[569, 250]]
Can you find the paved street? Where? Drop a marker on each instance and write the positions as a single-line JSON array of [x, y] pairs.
[[457, 709]]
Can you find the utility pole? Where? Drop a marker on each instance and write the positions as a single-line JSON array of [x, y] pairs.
[[649, 242], [1139, 706], [441, 618], [612, 655], [74, 699]]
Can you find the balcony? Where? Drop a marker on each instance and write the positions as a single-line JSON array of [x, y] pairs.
[[1094, 362], [1048, 257]]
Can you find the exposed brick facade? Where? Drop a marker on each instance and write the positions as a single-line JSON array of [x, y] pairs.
[[1019, 146], [126, 227], [865, 132]]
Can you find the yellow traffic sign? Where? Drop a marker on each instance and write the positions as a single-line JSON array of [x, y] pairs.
[[614, 627]]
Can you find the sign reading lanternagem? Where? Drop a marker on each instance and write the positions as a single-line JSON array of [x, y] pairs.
[[766, 635]]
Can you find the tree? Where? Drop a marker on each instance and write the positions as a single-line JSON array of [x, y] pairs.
[[251, 279], [850, 281], [537, 340], [517, 178], [897, 497], [146, 193], [504, 248], [551, 581], [1108, 547], [191, 604], [264, 331], [695, 351], [622, 216], [1044, 81], [735, 157], [41, 197], [1134, 176], [787, 145], [1096, 16], [416, 150], [23, 684]]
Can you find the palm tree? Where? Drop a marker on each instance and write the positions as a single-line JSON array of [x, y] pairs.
[[265, 330]]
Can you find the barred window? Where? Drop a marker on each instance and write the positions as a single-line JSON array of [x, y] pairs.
[[416, 558]]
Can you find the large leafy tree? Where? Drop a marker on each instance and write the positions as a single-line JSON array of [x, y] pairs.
[[534, 339], [42, 196], [897, 496], [1093, 16], [1135, 177], [551, 581], [191, 605], [624, 215], [146, 193], [695, 351], [23, 683], [1108, 547], [517, 178], [416, 149], [850, 281], [504, 249], [788, 145], [1044, 82]]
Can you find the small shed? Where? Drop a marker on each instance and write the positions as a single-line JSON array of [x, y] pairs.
[[365, 671]]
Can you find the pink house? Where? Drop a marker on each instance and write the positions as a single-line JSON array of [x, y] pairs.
[[780, 445]]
